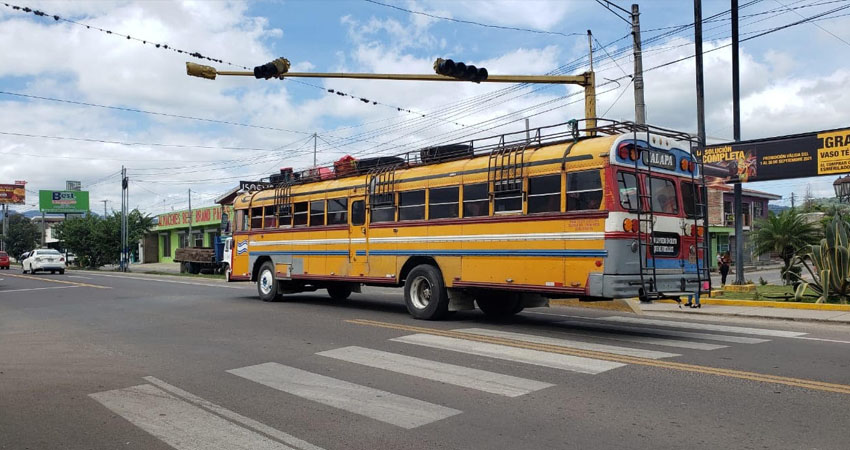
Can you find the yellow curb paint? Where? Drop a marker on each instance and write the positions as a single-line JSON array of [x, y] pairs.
[[622, 305], [740, 287], [51, 280], [767, 304], [671, 365]]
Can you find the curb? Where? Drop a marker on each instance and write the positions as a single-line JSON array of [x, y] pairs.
[[768, 304]]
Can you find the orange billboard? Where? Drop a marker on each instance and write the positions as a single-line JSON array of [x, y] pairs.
[[15, 194]]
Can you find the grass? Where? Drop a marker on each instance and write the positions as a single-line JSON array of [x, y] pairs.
[[768, 292]]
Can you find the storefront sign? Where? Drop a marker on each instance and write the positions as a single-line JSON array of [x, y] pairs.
[[71, 202], [780, 158], [13, 194], [201, 216]]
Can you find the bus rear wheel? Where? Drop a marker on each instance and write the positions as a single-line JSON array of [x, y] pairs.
[[339, 292], [267, 286], [425, 293], [499, 304]]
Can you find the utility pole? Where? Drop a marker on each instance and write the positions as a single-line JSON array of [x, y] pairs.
[[640, 106], [5, 225], [792, 200], [125, 201], [315, 137], [699, 72], [104, 208], [590, 47], [527, 130], [189, 241], [736, 129]]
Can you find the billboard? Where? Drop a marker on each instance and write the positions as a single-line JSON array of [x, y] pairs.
[[199, 217], [72, 202], [13, 194], [780, 158]]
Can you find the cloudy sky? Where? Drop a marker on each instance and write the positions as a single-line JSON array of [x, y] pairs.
[[77, 103]]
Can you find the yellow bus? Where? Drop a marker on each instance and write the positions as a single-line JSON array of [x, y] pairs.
[[505, 223]]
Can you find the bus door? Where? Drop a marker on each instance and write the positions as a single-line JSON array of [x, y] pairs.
[[358, 238]]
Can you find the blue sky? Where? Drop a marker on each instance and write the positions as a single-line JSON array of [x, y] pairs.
[[793, 80]]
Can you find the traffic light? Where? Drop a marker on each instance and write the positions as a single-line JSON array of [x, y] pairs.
[[459, 70], [273, 69]]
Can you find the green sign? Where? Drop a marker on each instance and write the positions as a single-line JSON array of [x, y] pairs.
[[74, 202]]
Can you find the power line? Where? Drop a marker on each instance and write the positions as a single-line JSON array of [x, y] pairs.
[[132, 144], [469, 22], [814, 24]]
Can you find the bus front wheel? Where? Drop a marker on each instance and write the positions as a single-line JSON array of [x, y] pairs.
[[267, 283], [425, 293]]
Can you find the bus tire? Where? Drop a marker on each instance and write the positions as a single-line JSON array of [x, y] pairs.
[[340, 292], [499, 305], [267, 287], [425, 293]]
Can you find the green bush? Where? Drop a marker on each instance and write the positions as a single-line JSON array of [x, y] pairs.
[[831, 260]]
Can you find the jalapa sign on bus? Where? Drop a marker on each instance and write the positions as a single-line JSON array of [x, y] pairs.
[[780, 158]]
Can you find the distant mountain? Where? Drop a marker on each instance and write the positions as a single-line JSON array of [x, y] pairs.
[[776, 208]]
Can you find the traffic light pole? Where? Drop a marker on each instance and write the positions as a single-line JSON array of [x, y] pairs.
[[587, 80]]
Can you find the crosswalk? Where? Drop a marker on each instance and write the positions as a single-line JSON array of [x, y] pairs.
[[185, 421]]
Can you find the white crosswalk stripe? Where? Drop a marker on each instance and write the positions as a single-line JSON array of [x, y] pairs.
[[380, 405], [481, 380], [641, 353], [179, 423], [703, 326], [661, 341], [660, 332], [521, 355]]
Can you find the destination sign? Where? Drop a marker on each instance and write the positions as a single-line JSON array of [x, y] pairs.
[[663, 160], [665, 244]]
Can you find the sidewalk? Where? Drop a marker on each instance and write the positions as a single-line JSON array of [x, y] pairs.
[[791, 311], [155, 268]]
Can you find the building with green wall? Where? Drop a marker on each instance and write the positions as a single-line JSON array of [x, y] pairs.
[[172, 229]]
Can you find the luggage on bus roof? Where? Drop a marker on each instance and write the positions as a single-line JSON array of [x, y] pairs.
[[445, 152], [366, 164]]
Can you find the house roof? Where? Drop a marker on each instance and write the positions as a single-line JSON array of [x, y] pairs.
[[718, 184]]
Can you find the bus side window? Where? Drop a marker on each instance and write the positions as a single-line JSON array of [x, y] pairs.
[[269, 218], [383, 212], [241, 220], [317, 213], [338, 211], [442, 203], [300, 215], [358, 212], [411, 205], [544, 194], [584, 190], [628, 187], [475, 200], [257, 218], [284, 216]]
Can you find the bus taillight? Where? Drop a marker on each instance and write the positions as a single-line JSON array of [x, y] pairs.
[[630, 225]]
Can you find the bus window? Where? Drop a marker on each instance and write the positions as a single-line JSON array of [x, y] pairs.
[[628, 187], [383, 213], [442, 203], [241, 220], [475, 200], [269, 218], [338, 211], [663, 193], [411, 205], [544, 194], [584, 190], [300, 214], [317, 213], [358, 212], [256, 218], [691, 196], [284, 216]]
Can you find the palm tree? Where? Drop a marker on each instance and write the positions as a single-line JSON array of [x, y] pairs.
[[786, 234]]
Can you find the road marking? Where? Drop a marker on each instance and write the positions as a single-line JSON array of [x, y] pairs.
[[703, 326], [482, 380], [162, 280], [52, 280], [39, 289], [651, 354], [235, 417], [657, 341], [671, 365], [78, 276], [380, 405], [660, 332], [179, 423], [836, 341], [509, 353]]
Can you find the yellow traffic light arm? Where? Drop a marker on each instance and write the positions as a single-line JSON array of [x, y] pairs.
[[586, 80]]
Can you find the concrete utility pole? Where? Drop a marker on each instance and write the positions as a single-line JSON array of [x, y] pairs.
[[189, 241], [104, 207], [640, 106], [590, 48], [5, 225], [699, 72], [315, 137], [736, 127], [125, 204]]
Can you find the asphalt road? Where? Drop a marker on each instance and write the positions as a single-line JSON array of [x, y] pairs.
[[105, 361]]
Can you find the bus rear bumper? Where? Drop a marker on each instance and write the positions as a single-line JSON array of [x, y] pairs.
[[628, 286]]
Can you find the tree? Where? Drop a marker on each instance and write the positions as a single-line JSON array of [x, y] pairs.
[[97, 240], [23, 235], [786, 234]]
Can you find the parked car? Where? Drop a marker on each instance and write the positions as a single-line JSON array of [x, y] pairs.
[[44, 260], [4, 260]]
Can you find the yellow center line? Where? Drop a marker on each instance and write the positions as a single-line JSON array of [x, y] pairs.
[[51, 280], [744, 375]]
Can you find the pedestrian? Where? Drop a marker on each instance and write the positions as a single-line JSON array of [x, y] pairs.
[[724, 262], [691, 302]]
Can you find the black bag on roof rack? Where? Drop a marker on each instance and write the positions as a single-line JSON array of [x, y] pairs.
[[445, 152], [366, 164]]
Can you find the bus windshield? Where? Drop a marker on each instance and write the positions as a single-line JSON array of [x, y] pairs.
[[664, 198]]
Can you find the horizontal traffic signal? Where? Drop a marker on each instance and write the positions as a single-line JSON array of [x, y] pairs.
[[459, 70], [273, 69]]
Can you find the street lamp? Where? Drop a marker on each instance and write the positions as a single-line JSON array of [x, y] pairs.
[[842, 188]]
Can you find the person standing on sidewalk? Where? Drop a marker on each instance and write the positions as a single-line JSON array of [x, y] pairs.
[[723, 262]]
